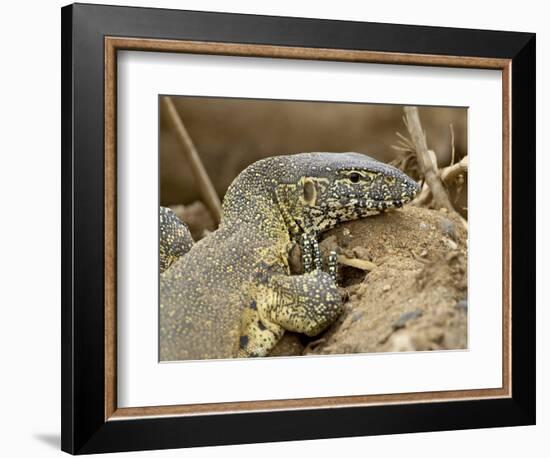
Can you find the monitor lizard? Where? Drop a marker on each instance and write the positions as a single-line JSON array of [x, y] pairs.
[[231, 294]]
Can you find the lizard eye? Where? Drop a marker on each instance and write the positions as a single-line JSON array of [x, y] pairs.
[[354, 177]]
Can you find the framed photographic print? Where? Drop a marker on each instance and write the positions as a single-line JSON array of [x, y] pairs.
[[281, 228]]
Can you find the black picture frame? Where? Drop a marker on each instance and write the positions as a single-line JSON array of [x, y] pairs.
[[84, 427]]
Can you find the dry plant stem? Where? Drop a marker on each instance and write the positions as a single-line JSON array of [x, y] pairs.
[[357, 263], [206, 188], [428, 167], [449, 174], [423, 197]]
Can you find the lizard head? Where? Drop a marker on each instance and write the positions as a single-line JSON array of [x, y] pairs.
[[338, 187]]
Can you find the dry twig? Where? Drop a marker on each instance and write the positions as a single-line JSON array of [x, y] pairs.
[[449, 174], [406, 156], [434, 179], [206, 188], [361, 264], [426, 159]]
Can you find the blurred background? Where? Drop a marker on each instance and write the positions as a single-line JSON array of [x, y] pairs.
[[231, 133]]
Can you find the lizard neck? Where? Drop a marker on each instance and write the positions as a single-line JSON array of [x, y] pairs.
[[250, 207], [292, 209]]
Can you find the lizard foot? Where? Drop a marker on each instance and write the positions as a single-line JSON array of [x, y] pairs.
[[306, 303]]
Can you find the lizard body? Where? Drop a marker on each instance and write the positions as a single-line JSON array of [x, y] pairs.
[[232, 294]]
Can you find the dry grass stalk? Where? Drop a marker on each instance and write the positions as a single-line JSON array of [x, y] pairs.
[[361, 264], [426, 160], [450, 174], [206, 188]]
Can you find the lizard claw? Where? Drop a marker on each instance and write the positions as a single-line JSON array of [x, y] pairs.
[[317, 261], [333, 265], [307, 256]]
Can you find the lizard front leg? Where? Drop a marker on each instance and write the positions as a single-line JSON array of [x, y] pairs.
[[306, 303], [258, 336]]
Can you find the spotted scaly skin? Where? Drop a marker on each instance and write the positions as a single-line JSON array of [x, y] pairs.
[[232, 294], [175, 238]]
